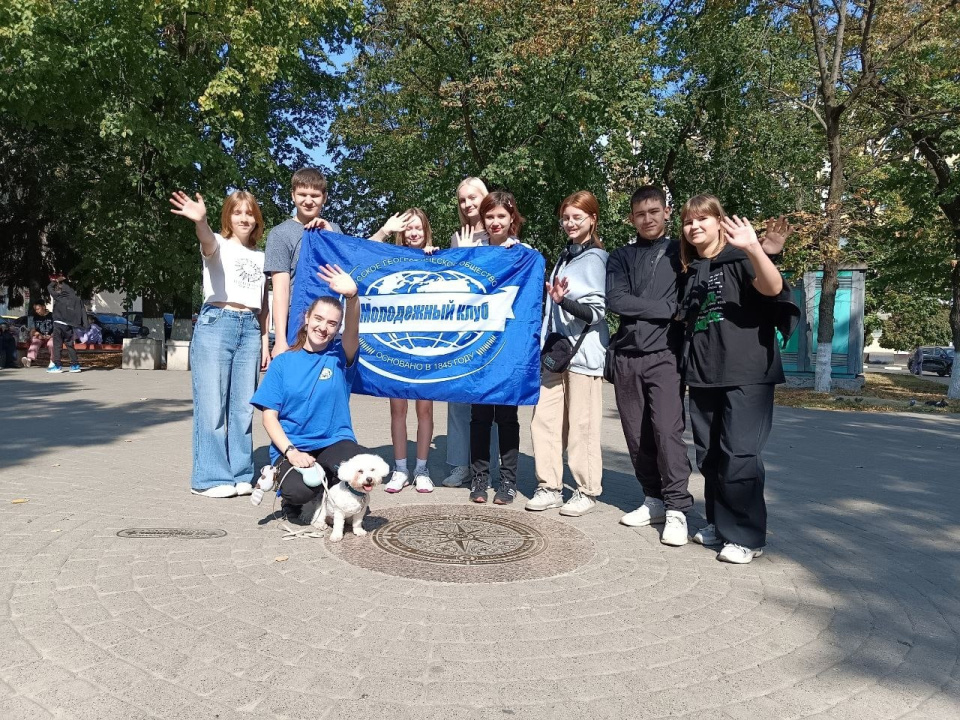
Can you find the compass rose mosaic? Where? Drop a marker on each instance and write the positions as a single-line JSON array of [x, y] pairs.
[[457, 543]]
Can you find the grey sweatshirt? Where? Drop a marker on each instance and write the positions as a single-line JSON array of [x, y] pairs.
[[586, 277]]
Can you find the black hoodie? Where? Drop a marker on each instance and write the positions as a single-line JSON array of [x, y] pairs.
[[644, 296], [67, 307], [731, 326]]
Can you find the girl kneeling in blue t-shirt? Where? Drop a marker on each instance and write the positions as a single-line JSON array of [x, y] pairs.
[[305, 395]]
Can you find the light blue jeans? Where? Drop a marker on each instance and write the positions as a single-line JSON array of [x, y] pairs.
[[225, 362], [458, 438]]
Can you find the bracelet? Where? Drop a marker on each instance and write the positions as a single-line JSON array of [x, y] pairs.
[[289, 448]]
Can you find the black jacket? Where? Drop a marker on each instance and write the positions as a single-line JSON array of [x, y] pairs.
[[647, 323], [67, 307]]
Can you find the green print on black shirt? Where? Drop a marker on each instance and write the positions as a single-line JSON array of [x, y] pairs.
[[711, 309]]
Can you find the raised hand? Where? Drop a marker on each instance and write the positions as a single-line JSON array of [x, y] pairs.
[[465, 237], [776, 235], [318, 224], [558, 290], [191, 209], [339, 281], [740, 232], [396, 223]]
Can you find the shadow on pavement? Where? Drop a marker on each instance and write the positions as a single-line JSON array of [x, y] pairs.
[[65, 417]]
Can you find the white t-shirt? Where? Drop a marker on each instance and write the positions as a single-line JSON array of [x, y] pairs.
[[233, 274]]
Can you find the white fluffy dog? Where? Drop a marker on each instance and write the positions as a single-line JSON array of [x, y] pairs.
[[348, 499]]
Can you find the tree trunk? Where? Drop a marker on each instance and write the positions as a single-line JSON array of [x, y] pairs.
[[829, 245]]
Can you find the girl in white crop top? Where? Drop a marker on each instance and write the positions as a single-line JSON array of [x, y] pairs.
[[230, 345]]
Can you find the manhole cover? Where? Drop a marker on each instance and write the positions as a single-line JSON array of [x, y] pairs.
[[456, 543], [183, 533]]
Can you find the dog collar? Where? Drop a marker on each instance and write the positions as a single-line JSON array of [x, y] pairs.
[[349, 487]]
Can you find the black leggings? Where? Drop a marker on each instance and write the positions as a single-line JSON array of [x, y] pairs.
[[293, 491], [482, 418]]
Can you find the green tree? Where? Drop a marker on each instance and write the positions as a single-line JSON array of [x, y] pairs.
[[522, 94], [123, 102], [848, 46], [919, 98]]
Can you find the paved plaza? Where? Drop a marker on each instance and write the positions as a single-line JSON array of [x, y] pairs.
[[852, 612]]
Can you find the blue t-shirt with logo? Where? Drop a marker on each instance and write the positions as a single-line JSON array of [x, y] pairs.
[[311, 393]]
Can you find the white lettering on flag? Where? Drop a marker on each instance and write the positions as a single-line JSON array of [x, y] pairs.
[[437, 312]]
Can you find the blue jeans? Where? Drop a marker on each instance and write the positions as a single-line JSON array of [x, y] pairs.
[[225, 361]]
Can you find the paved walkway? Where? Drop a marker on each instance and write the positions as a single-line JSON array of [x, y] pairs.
[[853, 612]]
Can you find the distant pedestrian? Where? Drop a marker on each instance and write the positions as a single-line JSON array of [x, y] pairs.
[[41, 334], [8, 347], [68, 315]]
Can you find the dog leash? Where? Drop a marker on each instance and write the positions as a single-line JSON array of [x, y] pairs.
[[306, 532]]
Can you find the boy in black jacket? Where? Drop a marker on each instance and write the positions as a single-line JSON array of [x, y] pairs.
[[68, 313], [642, 288]]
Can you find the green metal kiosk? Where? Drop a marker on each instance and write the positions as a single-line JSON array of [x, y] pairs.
[[800, 354]]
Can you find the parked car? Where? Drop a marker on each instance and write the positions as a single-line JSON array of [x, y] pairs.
[[935, 359], [117, 327]]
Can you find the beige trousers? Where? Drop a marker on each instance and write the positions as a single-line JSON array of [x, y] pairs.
[[568, 417]]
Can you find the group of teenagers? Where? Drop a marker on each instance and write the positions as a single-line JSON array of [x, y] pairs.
[[700, 313]]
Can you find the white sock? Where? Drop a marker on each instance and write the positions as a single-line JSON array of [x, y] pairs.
[[421, 467], [400, 465]]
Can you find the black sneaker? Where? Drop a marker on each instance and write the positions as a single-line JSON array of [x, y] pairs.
[[505, 494], [478, 491], [290, 513]]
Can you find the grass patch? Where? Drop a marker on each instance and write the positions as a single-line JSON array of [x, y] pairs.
[[881, 393]]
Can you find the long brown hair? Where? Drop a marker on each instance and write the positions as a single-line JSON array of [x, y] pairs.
[[587, 202], [302, 332], [506, 200], [236, 198], [399, 239], [704, 204]]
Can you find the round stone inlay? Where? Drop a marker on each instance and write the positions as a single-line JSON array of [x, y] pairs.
[[460, 543], [460, 539]]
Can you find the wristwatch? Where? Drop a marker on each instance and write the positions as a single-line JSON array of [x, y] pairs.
[[289, 448]]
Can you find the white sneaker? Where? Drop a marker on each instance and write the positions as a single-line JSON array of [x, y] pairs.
[[423, 483], [707, 535], [652, 511], [738, 554], [398, 481], [458, 477], [674, 529], [244, 488], [26, 362], [578, 504], [544, 499], [217, 491]]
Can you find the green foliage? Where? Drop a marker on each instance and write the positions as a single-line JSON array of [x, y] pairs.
[[522, 94], [915, 321], [107, 107]]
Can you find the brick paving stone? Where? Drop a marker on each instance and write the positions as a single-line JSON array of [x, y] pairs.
[[852, 612]]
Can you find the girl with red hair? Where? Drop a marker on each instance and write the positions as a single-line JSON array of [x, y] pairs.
[[569, 413]]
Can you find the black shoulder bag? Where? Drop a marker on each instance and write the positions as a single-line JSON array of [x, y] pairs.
[[557, 350]]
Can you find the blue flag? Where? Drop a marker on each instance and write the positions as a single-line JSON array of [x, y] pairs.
[[459, 325]]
